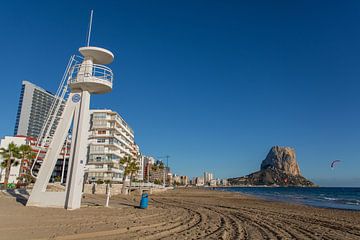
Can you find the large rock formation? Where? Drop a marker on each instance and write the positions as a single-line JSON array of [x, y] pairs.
[[279, 168], [282, 158]]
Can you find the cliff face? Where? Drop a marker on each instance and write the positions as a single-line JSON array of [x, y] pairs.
[[283, 159], [278, 168]]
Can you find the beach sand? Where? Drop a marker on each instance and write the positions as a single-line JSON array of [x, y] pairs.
[[177, 214]]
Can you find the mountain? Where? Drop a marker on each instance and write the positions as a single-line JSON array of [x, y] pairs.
[[280, 167], [283, 159]]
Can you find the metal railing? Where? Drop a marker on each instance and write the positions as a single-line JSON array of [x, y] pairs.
[[84, 73], [44, 139]]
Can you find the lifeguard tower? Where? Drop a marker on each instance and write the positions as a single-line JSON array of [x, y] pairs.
[[81, 79]]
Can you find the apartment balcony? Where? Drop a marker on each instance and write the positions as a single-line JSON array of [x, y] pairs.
[[125, 134], [126, 128], [101, 162], [123, 141], [116, 153], [103, 170], [101, 127], [111, 144], [98, 135]]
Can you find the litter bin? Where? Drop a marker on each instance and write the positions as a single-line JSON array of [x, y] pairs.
[[144, 201]]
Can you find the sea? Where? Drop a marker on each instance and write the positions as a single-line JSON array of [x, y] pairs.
[[326, 197]]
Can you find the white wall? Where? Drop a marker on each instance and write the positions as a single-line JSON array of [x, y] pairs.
[[14, 172]]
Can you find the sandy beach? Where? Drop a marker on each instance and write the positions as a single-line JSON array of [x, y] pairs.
[[177, 214]]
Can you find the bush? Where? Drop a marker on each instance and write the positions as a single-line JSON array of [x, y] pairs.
[[157, 181], [99, 181]]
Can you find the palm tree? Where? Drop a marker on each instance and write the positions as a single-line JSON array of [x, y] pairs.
[[9, 155], [26, 153], [131, 166], [159, 166]]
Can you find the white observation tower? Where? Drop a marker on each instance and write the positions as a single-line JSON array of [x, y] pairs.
[[88, 77]]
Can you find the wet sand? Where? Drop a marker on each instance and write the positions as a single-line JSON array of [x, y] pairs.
[[177, 214]]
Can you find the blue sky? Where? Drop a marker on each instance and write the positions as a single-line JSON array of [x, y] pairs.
[[214, 84]]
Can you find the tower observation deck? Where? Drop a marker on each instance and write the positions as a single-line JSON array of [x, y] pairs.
[[91, 75]]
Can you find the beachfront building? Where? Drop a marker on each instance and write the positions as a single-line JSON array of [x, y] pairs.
[[198, 181], [34, 106], [213, 182], [136, 151], [170, 179], [184, 180], [157, 172], [17, 172], [223, 182], [176, 179], [208, 177], [110, 139], [148, 161]]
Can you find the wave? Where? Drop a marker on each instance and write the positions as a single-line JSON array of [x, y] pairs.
[[343, 198]]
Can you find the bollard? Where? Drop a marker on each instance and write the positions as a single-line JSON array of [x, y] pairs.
[[144, 201], [108, 194]]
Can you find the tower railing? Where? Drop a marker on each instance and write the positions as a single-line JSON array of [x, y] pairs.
[[84, 73]]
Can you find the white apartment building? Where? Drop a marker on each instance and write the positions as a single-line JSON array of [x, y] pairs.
[[14, 171], [208, 177], [199, 181], [60, 169], [34, 106], [110, 139]]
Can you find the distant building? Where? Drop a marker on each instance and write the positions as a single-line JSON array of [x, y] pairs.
[[148, 161], [110, 139], [199, 181], [208, 177], [157, 172], [33, 110], [170, 179], [224, 182], [213, 182], [176, 179], [184, 180]]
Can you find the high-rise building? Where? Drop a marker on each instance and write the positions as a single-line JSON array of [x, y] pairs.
[[184, 180], [208, 177], [33, 109], [110, 139], [148, 161]]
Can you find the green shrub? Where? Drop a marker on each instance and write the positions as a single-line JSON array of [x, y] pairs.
[[99, 181]]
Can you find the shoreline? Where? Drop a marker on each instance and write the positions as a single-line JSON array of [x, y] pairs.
[[187, 213], [301, 198]]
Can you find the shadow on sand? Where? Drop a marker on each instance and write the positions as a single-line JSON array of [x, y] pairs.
[[21, 195]]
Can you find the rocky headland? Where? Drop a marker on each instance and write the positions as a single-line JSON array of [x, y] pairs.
[[279, 168]]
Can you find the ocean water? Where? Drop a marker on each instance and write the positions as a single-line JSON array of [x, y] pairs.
[[326, 197]]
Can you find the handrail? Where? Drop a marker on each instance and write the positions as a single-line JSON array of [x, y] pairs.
[[52, 115], [81, 72]]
